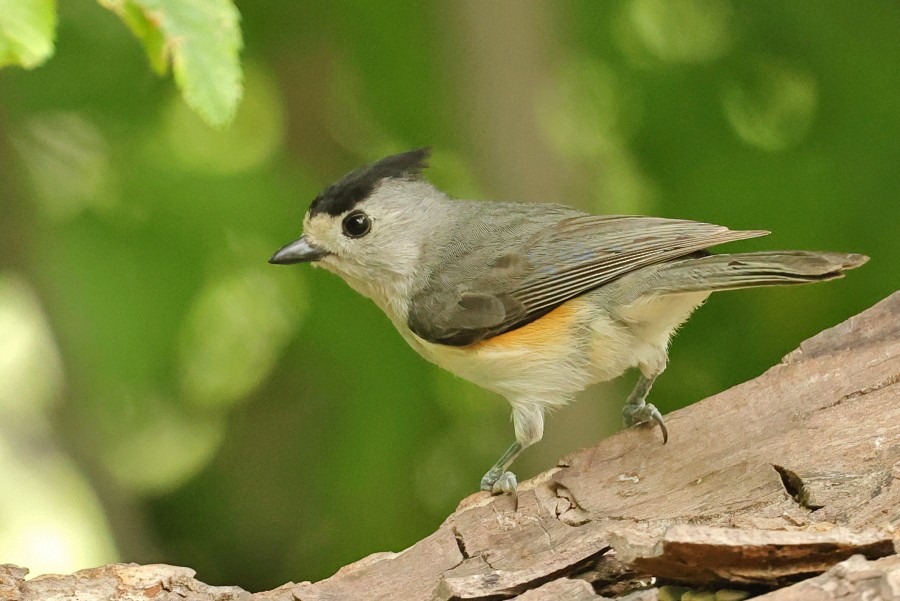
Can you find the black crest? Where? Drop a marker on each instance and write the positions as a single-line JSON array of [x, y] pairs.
[[343, 195]]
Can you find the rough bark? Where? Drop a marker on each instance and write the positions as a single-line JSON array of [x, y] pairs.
[[787, 485]]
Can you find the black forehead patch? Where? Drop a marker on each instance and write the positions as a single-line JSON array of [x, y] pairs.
[[342, 195]]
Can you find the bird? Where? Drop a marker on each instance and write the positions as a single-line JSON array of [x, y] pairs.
[[532, 301]]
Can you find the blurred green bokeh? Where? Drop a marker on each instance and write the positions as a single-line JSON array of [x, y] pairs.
[[166, 395]]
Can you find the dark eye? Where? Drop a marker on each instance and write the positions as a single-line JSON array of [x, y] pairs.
[[356, 224]]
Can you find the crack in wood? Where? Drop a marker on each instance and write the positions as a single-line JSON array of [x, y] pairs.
[[567, 509], [610, 577], [460, 543], [478, 584], [574, 569], [889, 381], [795, 487]]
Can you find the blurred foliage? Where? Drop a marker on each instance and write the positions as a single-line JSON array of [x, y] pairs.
[[199, 38], [26, 31], [165, 395]]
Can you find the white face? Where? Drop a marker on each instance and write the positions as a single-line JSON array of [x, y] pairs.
[[376, 245]]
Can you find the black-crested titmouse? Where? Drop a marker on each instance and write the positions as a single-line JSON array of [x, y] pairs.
[[532, 301]]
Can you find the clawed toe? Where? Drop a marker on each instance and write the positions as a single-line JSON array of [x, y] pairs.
[[643, 414], [500, 483]]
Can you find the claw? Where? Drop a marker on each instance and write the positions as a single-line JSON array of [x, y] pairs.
[[498, 480], [643, 414], [498, 483], [662, 426]]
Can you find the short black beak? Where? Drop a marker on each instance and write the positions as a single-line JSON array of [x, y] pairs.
[[298, 251]]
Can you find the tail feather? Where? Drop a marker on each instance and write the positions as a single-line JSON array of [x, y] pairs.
[[748, 270]]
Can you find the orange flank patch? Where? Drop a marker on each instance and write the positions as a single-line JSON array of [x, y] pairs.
[[548, 330]]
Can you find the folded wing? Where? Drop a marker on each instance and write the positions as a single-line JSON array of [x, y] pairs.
[[518, 285]]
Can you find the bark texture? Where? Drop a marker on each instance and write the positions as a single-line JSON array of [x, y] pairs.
[[786, 486]]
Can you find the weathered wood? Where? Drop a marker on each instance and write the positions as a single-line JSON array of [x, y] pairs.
[[115, 581], [710, 556], [855, 578], [564, 588], [785, 475], [415, 571]]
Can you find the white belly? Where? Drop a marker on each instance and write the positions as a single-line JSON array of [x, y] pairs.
[[549, 360]]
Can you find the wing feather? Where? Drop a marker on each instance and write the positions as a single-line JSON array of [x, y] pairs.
[[574, 256]]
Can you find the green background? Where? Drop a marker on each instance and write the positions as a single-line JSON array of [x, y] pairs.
[[168, 396]]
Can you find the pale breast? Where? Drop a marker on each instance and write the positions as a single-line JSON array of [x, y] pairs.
[[546, 360]]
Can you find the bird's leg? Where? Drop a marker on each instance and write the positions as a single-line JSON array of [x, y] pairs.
[[498, 480], [637, 410], [528, 419]]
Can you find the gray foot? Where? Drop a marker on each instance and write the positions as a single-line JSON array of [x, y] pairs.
[[643, 413], [499, 483]]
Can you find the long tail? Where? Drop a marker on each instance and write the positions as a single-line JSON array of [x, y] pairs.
[[747, 270]]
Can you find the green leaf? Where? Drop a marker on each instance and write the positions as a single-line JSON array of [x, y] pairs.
[[27, 30], [144, 29], [202, 41]]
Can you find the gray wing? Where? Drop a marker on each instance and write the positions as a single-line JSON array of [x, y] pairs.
[[561, 262]]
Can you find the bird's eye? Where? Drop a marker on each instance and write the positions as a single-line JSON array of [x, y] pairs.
[[356, 224]]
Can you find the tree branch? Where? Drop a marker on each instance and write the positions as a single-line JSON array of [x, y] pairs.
[[762, 487]]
